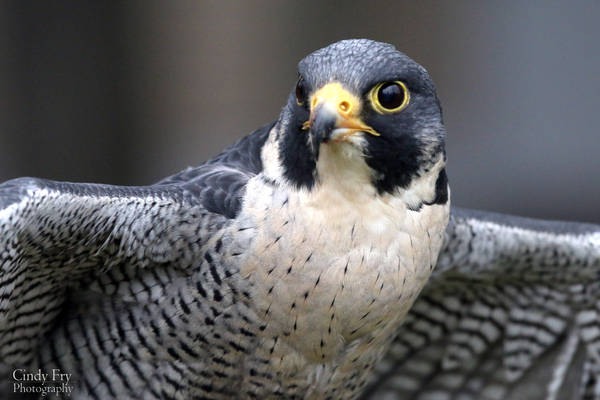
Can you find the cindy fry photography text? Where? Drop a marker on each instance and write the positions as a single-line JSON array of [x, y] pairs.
[[53, 381]]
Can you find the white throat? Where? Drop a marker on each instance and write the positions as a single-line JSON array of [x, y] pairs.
[[342, 168]]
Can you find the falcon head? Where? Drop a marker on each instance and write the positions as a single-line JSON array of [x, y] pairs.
[[363, 106]]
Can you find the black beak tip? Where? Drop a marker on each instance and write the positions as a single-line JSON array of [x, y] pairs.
[[323, 125]]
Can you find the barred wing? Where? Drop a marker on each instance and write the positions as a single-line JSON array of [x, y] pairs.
[[55, 234], [511, 312], [52, 235]]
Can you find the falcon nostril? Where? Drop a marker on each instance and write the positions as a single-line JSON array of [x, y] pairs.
[[344, 106]]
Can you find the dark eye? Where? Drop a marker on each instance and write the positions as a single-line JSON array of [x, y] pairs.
[[300, 91], [389, 97]]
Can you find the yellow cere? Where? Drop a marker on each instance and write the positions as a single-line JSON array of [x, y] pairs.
[[346, 104], [335, 94]]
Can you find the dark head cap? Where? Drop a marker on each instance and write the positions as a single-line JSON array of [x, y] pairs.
[[397, 144]]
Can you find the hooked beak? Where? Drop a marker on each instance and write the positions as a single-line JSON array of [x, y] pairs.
[[334, 115]]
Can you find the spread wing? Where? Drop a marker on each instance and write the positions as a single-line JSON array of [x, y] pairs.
[[55, 235], [511, 312]]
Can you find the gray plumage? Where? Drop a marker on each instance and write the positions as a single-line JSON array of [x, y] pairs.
[[511, 312], [216, 283]]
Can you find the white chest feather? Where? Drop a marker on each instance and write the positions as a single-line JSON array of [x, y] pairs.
[[336, 268]]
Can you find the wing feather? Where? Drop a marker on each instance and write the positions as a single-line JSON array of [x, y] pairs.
[[54, 234], [58, 237], [511, 312]]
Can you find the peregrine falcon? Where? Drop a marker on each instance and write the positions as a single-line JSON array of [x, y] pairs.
[[300, 263]]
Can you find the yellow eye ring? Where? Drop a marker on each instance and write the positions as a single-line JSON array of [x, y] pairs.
[[389, 97]]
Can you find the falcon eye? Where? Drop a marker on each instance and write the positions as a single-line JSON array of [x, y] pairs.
[[300, 91], [389, 97]]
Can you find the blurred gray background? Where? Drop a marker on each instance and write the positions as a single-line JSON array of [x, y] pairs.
[[129, 92]]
